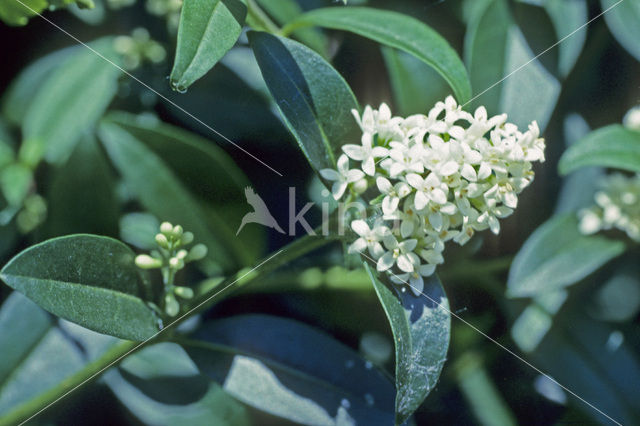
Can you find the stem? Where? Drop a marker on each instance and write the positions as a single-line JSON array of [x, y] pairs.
[[117, 353], [41, 402], [259, 20]]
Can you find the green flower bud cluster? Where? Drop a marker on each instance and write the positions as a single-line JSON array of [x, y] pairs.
[[170, 257], [139, 47]]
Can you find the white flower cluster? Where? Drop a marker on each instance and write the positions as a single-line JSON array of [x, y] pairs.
[[439, 177], [617, 206]]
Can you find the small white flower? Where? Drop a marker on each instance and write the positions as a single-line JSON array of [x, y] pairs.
[[369, 238], [342, 177], [398, 253], [393, 195], [429, 189], [365, 153]]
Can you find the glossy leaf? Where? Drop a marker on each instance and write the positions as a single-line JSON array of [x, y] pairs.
[[71, 100], [292, 371], [313, 98], [400, 32], [421, 329], [623, 20], [612, 146], [21, 91], [495, 48], [160, 191], [86, 279], [558, 255], [207, 30]]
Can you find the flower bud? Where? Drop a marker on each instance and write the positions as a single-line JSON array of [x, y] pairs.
[[177, 231], [166, 228], [199, 251], [162, 241], [182, 254], [147, 262], [184, 292], [187, 238], [171, 305], [176, 263]]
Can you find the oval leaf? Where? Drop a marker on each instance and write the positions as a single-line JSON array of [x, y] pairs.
[[160, 191], [207, 30], [71, 100], [421, 329], [291, 370], [611, 146], [399, 31], [86, 279], [313, 98], [557, 255]]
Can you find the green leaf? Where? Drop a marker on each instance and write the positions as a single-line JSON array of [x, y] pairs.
[[161, 385], [557, 255], [611, 146], [160, 192], [71, 100], [14, 13], [495, 48], [623, 23], [416, 86], [36, 356], [273, 364], [313, 98], [19, 96], [398, 31], [207, 30], [285, 11], [139, 229], [81, 196], [208, 172], [421, 329], [86, 279], [567, 16]]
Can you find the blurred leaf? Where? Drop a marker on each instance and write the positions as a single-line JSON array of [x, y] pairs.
[[578, 353], [398, 31], [618, 299], [623, 23], [161, 163], [20, 94], [207, 30], [557, 255], [495, 48], [71, 100], [160, 385], [313, 98], [15, 181], [86, 279], [567, 16], [290, 370], [421, 329], [82, 194], [612, 146], [35, 356], [479, 390], [579, 187], [139, 229], [14, 13], [416, 86], [285, 11]]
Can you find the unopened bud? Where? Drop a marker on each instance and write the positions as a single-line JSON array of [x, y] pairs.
[[199, 251], [177, 231], [166, 227], [145, 261], [182, 254], [184, 292], [176, 263], [187, 238], [171, 305], [162, 241]]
